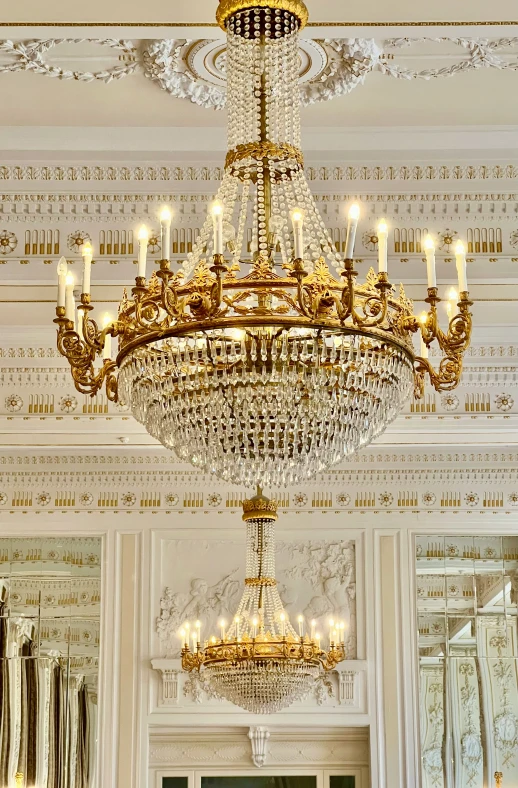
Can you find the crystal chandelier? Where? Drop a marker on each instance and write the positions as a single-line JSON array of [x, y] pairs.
[[260, 663], [262, 357]]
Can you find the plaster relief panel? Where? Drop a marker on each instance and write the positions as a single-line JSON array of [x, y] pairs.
[[203, 580]]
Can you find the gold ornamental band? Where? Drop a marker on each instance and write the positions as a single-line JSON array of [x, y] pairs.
[[260, 581], [264, 150], [228, 8]]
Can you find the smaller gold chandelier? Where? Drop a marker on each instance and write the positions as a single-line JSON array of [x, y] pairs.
[[260, 662]]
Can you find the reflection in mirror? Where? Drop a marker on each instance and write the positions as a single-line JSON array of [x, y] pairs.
[[468, 659], [50, 598]]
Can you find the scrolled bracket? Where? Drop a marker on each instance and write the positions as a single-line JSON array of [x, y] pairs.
[[81, 355]]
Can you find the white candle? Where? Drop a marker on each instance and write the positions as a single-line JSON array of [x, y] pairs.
[[107, 349], [297, 220], [217, 224], [283, 624], [300, 621], [255, 622], [429, 250], [222, 625], [382, 246], [424, 349], [198, 631], [62, 281], [331, 628], [70, 304], [313, 625], [87, 253], [143, 238], [165, 229], [460, 257], [352, 224], [182, 637]]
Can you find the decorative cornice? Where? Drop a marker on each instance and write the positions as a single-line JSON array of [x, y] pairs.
[[89, 173]]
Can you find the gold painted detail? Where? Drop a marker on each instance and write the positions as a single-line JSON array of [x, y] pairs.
[[260, 581], [228, 8], [259, 508], [166, 307], [263, 648], [264, 150]]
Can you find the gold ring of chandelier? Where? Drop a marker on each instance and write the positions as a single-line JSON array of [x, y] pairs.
[[227, 9]]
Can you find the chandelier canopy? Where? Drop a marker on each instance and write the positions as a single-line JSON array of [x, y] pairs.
[[262, 358], [260, 662]]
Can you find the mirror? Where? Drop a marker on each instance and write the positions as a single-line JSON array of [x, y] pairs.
[[50, 597], [468, 659]]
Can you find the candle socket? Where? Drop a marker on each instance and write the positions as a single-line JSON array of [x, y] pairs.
[[85, 299], [140, 282]]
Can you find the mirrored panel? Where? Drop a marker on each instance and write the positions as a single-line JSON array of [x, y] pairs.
[[50, 599], [468, 660]]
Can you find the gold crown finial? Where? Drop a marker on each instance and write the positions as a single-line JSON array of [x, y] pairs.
[[259, 507], [228, 8]]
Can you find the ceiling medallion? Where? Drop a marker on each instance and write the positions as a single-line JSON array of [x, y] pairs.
[[260, 662], [196, 70], [262, 358]]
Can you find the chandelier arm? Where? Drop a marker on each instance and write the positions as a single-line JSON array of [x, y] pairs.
[[458, 337], [447, 376]]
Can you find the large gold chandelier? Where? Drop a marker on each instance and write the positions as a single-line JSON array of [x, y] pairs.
[[260, 662], [271, 365]]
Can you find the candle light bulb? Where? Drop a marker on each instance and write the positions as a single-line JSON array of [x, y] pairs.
[[429, 250], [213, 640], [423, 318], [352, 224], [297, 221], [382, 246], [62, 280], [460, 259], [87, 253], [216, 210], [70, 304], [354, 211], [452, 294], [107, 349], [143, 238], [165, 232]]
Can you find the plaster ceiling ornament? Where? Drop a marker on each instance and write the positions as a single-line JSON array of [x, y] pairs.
[[450, 401], [68, 404], [76, 240], [504, 402], [259, 662], [197, 70], [13, 403], [8, 242], [478, 53], [31, 56]]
